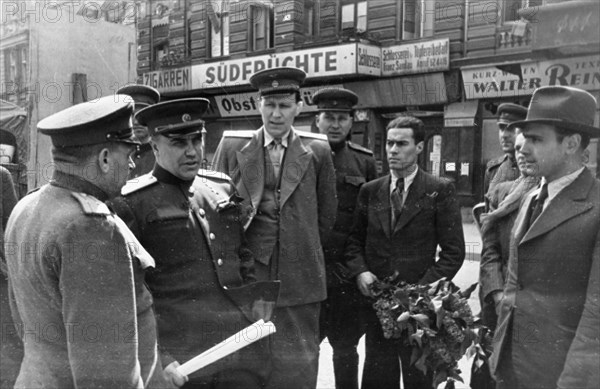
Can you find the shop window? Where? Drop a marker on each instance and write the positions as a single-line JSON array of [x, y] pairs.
[[161, 52], [218, 16], [311, 18], [354, 16], [510, 8], [24, 58], [262, 25], [417, 18]]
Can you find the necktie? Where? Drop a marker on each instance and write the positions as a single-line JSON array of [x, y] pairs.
[[397, 200], [276, 154], [538, 204]]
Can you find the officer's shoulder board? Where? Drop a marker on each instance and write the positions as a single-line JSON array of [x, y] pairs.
[[213, 174], [138, 183], [313, 135], [495, 162], [90, 204], [359, 148], [238, 134]]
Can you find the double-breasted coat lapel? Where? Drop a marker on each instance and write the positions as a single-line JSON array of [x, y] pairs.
[[251, 161], [569, 203], [383, 209]]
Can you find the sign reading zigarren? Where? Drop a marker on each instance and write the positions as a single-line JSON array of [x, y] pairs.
[[490, 82], [348, 59]]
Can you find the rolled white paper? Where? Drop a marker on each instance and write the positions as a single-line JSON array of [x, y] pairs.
[[245, 337]]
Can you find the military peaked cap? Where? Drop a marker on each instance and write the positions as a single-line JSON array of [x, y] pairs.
[[283, 80], [174, 118], [142, 95], [335, 99], [508, 113], [108, 119]]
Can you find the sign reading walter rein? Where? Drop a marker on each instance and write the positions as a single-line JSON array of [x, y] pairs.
[[523, 79]]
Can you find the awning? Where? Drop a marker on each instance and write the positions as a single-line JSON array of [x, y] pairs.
[[424, 89], [461, 114]]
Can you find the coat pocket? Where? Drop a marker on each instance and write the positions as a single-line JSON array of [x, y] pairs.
[[355, 180]]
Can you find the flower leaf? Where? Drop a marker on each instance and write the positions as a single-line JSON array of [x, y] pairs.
[[421, 319]]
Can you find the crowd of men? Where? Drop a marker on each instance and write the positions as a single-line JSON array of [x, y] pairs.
[[118, 276]]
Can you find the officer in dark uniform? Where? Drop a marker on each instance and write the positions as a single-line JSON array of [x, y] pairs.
[[75, 270], [504, 168], [143, 96], [354, 165], [189, 220]]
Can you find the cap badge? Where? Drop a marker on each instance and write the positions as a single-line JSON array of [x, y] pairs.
[[334, 102], [275, 84], [186, 117]]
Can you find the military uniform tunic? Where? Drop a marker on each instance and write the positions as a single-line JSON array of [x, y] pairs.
[[72, 265], [193, 232]]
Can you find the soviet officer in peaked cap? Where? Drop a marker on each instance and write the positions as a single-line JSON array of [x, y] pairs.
[[75, 269], [143, 96], [189, 220], [287, 180], [354, 165], [504, 168]]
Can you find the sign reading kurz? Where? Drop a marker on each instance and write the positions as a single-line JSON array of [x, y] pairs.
[[170, 80], [319, 62], [419, 57]]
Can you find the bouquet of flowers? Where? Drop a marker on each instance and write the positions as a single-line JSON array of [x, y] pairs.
[[435, 320]]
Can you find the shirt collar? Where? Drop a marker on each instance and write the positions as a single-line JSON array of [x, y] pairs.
[[269, 138], [408, 180], [556, 186]]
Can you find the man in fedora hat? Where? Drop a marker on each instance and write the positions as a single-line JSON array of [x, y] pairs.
[[143, 96], [504, 168], [341, 320], [287, 181], [548, 326], [189, 220], [75, 270]]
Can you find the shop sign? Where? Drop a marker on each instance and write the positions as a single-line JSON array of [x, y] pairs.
[[419, 57], [246, 104], [169, 80], [348, 59], [523, 79]]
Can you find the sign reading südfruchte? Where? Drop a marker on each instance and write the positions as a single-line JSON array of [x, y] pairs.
[[246, 104], [320, 62], [523, 79], [418, 57]]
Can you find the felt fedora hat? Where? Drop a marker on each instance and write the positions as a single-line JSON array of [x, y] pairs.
[[566, 107]]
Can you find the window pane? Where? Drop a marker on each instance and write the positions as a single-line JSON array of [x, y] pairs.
[[347, 16], [361, 11]]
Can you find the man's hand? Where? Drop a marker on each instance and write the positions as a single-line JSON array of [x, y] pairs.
[[497, 297], [363, 280], [173, 376]]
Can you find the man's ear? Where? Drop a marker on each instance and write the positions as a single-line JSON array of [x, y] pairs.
[[104, 160], [299, 107], [420, 147], [572, 142]]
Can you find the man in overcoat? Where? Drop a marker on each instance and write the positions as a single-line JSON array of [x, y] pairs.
[[189, 220], [504, 168], [548, 332], [400, 220], [75, 270], [287, 181], [341, 314]]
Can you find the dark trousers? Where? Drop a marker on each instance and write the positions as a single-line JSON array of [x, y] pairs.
[[343, 325], [382, 370], [295, 347]]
